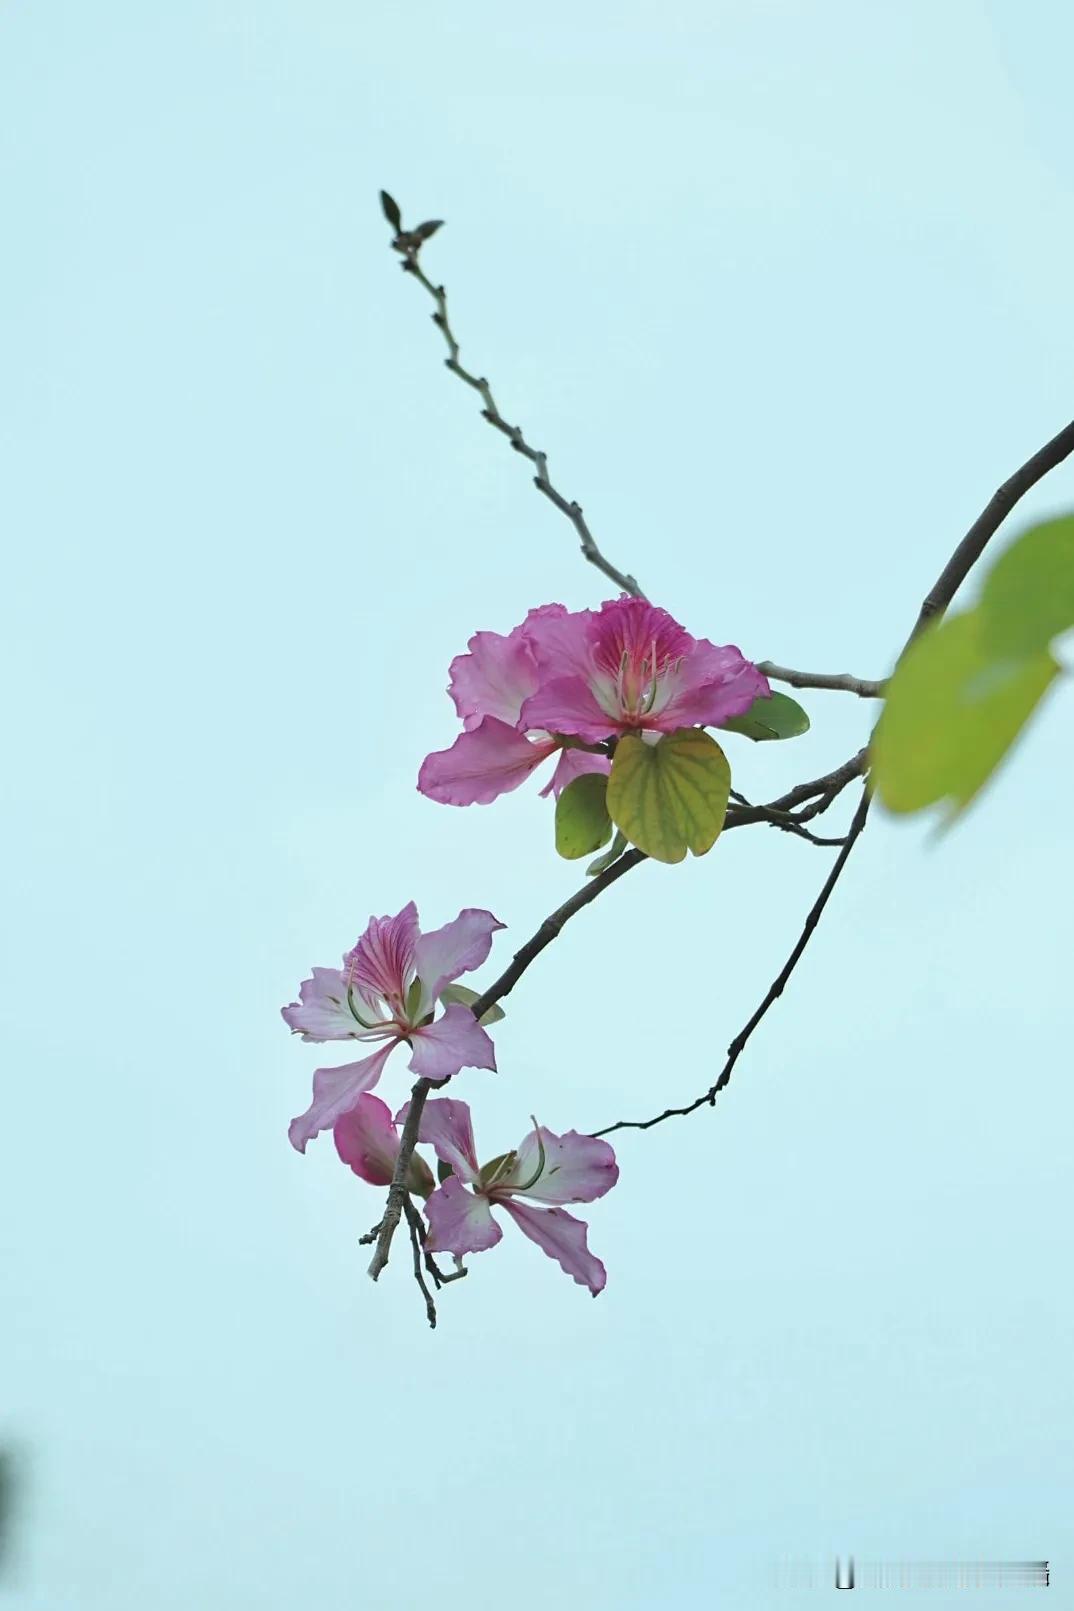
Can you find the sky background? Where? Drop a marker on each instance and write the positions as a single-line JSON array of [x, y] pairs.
[[784, 291]]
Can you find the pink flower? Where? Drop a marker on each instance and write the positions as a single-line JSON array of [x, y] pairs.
[[366, 1138], [547, 1168], [388, 991], [584, 675], [629, 667], [496, 751]]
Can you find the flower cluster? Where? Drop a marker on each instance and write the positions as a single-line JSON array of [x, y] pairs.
[[389, 990], [622, 692], [567, 679]]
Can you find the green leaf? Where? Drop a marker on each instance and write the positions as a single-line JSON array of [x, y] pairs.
[[390, 208], [464, 995], [582, 820], [444, 1170], [670, 797], [602, 863], [776, 717], [952, 712], [1028, 595]]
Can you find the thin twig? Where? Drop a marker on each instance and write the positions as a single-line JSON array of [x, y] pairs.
[[408, 245], [417, 1243], [775, 990], [842, 682], [954, 573]]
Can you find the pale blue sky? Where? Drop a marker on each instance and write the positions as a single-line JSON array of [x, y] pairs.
[[784, 290]]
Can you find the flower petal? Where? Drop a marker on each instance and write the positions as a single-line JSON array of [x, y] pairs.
[[322, 1011], [577, 1168], [715, 682], [459, 1221], [367, 1140], [458, 947], [446, 1126], [562, 1237], [490, 760], [569, 705], [456, 1040], [494, 678], [382, 962], [574, 764], [559, 639], [336, 1092]]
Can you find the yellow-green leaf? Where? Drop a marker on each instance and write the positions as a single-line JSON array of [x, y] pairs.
[[1028, 595], [952, 712], [670, 797], [582, 820]]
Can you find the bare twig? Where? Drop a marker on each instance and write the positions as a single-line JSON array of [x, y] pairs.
[[842, 682], [417, 1243], [954, 573], [408, 244], [775, 990]]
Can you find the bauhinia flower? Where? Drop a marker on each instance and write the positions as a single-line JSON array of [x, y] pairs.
[[496, 751], [545, 1168], [368, 1141], [585, 676], [630, 668], [388, 990]]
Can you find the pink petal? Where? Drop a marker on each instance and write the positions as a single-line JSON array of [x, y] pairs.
[[494, 678], [563, 1238], [574, 764], [383, 959], [446, 1126], [322, 1012], [577, 1168], [458, 947], [459, 1221], [456, 1040], [569, 705], [336, 1092], [559, 639], [633, 628], [714, 683], [367, 1140], [481, 765]]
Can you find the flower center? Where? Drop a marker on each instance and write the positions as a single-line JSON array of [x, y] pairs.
[[639, 682]]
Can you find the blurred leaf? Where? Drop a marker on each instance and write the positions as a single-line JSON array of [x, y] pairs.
[[952, 712], [464, 995], [582, 820], [778, 716], [391, 211], [444, 1171], [670, 797], [430, 227], [1028, 595], [613, 853]]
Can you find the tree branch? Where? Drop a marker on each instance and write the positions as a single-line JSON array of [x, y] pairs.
[[408, 244], [954, 573], [842, 682]]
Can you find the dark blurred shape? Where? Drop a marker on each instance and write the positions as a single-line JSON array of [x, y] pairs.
[[10, 1482]]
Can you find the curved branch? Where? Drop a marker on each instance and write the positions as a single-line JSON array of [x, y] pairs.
[[954, 573]]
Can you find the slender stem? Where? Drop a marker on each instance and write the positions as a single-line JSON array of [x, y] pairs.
[[513, 433], [842, 682]]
